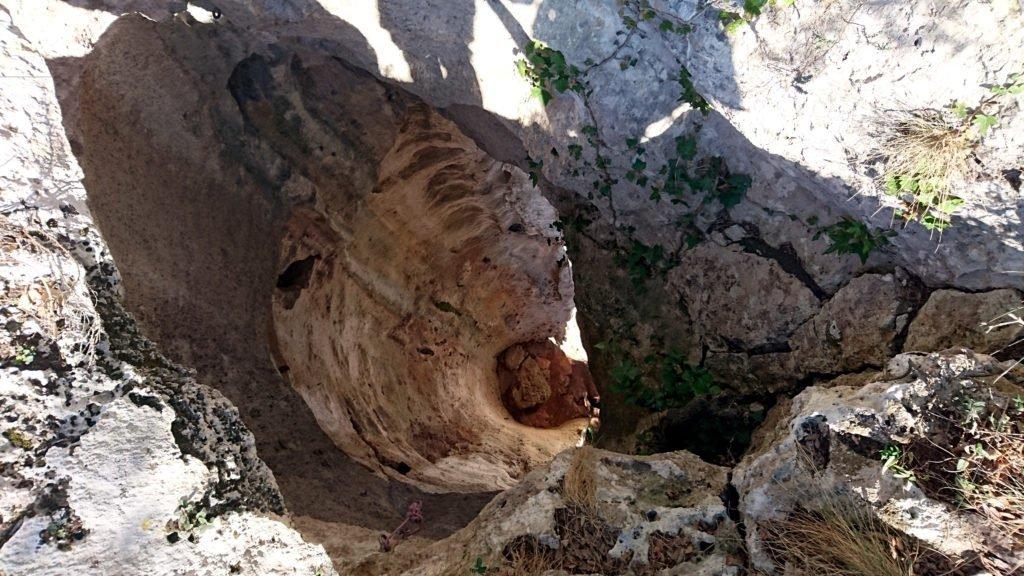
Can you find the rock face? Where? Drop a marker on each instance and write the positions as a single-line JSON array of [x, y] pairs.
[[740, 300], [438, 53], [950, 318], [592, 512], [111, 455], [392, 257], [828, 440], [355, 221]]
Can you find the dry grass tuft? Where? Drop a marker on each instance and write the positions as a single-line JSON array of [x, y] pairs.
[[579, 486], [926, 153], [930, 145], [1014, 317], [41, 282], [842, 537], [525, 556]]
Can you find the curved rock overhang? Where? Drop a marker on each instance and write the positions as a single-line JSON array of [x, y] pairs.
[[287, 223]]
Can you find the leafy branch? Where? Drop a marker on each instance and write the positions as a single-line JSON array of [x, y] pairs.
[[849, 236]]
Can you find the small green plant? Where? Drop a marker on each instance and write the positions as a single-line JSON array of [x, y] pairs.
[[18, 438], [677, 381], [642, 262], [849, 236], [752, 8], [732, 22], [478, 567], [681, 382], [57, 530], [576, 222], [1012, 87], [628, 380], [689, 92], [929, 203], [895, 460], [927, 153], [547, 71], [712, 178], [535, 167], [633, 12], [978, 462], [724, 186], [191, 516], [24, 355]]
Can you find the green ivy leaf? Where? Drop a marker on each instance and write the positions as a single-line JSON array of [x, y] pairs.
[[950, 205], [753, 7], [984, 122], [686, 147]]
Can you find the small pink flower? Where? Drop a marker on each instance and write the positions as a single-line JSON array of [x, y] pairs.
[[415, 512]]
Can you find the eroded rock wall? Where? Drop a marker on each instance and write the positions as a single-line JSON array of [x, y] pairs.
[[111, 455], [280, 215], [397, 257]]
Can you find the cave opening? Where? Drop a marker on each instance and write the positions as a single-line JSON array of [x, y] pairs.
[[717, 428]]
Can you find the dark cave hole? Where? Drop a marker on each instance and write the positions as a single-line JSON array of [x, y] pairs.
[[296, 275], [717, 429]]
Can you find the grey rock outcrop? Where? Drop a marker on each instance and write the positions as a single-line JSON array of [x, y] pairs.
[[111, 455], [980, 321], [593, 512], [828, 441]]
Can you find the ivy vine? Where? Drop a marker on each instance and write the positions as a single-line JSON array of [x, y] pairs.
[[681, 179]]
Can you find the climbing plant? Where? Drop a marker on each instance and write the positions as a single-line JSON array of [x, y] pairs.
[[752, 9], [547, 71], [681, 178], [661, 381]]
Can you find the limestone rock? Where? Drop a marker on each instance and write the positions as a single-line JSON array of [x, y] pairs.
[[828, 439], [542, 386], [594, 512], [110, 455], [531, 387], [857, 327], [739, 300], [953, 318]]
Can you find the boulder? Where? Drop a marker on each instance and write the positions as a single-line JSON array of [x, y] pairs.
[[592, 512], [828, 442], [981, 321]]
